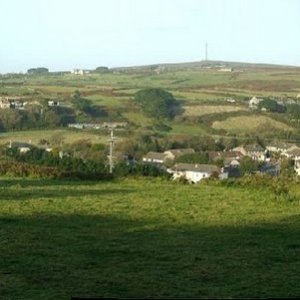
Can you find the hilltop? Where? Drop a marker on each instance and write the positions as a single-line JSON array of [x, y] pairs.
[[204, 64]]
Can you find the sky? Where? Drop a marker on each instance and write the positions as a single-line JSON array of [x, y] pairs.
[[67, 34]]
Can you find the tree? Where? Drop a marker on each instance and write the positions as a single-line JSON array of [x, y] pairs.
[[38, 71], [157, 103], [294, 111], [101, 70], [271, 105], [248, 165], [194, 158], [11, 119]]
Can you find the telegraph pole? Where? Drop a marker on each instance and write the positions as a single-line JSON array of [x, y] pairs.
[[111, 147]]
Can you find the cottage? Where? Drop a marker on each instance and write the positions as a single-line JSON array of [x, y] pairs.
[[76, 126], [279, 147], [114, 124], [11, 102], [195, 172], [154, 158], [253, 103], [230, 100], [4, 103], [297, 167], [53, 103], [22, 147], [293, 153], [227, 70], [80, 72], [256, 152]]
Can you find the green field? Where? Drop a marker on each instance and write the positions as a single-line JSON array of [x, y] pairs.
[[250, 124], [67, 135], [146, 238], [201, 92]]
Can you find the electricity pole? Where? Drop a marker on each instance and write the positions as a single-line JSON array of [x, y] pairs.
[[111, 147]]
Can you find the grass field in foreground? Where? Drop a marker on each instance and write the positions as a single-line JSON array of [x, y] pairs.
[[145, 238]]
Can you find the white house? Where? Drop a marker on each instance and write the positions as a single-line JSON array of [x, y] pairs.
[[293, 153], [53, 103], [79, 72], [22, 147], [279, 147], [154, 157], [229, 70], [194, 172], [253, 103], [256, 152]]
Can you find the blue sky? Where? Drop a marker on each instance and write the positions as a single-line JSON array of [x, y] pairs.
[[66, 34]]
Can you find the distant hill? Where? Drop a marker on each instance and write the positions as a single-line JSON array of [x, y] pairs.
[[202, 65]]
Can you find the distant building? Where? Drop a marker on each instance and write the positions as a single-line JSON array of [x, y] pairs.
[[4, 103], [230, 100], [53, 103], [279, 147], [21, 146], [114, 124], [293, 153], [195, 172], [12, 102], [256, 152], [253, 103], [103, 125], [80, 72], [154, 158], [228, 70]]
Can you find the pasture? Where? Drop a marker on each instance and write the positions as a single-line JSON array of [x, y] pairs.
[[66, 135], [146, 238], [201, 110], [250, 124]]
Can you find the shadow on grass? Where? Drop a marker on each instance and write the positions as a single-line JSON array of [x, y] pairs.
[[52, 194], [56, 257], [5, 182]]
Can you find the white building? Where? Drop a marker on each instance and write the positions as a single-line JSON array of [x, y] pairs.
[[79, 72], [154, 158], [253, 103], [195, 172]]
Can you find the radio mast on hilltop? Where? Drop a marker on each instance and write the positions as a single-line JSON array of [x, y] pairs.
[[206, 52]]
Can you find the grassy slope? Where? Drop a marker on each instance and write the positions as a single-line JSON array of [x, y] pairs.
[[250, 124], [145, 238], [69, 136]]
